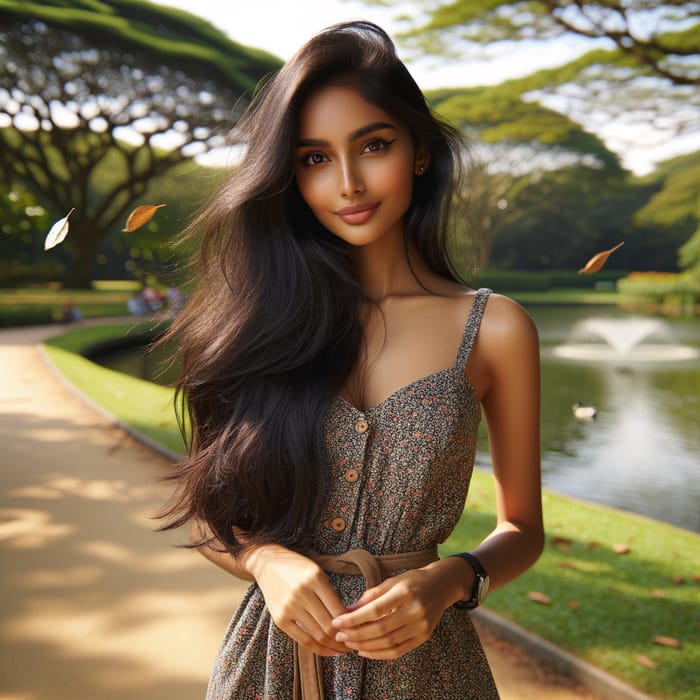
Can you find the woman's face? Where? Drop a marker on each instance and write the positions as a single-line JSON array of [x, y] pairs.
[[354, 165]]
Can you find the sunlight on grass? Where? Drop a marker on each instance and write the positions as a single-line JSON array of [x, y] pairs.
[[606, 607]]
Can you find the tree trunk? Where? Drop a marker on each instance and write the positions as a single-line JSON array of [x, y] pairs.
[[84, 238]]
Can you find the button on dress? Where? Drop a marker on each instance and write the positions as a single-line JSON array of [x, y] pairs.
[[399, 476]]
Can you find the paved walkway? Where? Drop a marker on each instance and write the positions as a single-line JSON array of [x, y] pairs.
[[95, 605]]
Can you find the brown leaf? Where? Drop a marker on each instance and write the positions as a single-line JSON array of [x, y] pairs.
[[140, 216], [574, 604], [620, 548], [678, 581], [592, 544], [565, 564], [598, 260], [57, 232], [563, 543], [670, 642], [645, 661], [538, 597], [658, 593]]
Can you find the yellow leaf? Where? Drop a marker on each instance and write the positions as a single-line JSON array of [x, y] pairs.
[[670, 642], [598, 260], [140, 216], [58, 232]]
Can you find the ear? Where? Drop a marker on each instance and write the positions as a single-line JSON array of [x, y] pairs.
[[422, 161]]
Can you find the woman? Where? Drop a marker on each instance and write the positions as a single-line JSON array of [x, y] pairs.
[[334, 370]]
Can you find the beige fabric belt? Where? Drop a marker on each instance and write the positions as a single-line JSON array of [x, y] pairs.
[[308, 672]]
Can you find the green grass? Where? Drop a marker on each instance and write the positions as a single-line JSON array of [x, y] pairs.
[[144, 406], [106, 299], [605, 607]]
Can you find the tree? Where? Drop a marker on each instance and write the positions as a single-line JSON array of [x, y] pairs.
[[675, 208], [518, 143], [662, 37], [117, 92], [643, 67]]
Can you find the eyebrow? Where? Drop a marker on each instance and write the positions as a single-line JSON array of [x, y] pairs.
[[362, 131]]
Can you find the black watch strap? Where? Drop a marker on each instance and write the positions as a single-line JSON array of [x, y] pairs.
[[480, 586]]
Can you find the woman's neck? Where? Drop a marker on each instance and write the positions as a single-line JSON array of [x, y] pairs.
[[386, 268]]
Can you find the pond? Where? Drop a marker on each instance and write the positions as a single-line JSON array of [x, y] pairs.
[[641, 452]]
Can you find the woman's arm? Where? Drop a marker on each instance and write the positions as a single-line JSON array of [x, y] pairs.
[[297, 592], [401, 613], [508, 355]]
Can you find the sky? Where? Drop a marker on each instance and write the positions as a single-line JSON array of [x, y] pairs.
[[282, 26]]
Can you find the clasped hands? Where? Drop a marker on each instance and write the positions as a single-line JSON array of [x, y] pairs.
[[386, 622]]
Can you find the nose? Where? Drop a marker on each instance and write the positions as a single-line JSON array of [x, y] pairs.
[[351, 180]]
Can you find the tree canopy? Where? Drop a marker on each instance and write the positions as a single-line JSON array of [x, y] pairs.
[[117, 91], [642, 68], [663, 37]]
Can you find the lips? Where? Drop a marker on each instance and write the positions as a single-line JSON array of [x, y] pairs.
[[357, 213]]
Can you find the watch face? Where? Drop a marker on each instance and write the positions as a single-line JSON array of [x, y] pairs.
[[483, 589]]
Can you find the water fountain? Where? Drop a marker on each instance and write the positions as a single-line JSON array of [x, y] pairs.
[[623, 339]]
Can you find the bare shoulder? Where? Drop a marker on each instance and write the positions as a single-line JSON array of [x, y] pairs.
[[505, 321], [507, 346]]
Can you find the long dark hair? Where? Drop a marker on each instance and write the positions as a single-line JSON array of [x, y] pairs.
[[273, 330]]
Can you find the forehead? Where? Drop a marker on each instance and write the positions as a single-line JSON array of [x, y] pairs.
[[338, 109]]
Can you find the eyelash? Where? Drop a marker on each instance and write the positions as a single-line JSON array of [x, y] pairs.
[[374, 141]]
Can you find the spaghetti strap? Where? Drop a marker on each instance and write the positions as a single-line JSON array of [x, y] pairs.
[[472, 327]]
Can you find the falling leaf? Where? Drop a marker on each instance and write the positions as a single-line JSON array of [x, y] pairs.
[[598, 260], [140, 216], [538, 597], [58, 232], [670, 642], [620, 548], [645, 661]]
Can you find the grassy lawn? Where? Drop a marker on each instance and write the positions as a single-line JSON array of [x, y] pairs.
[[612, 582], [146, 407], [44, 303]]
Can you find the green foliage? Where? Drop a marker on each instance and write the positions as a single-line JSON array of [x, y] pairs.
[[669, 47], [678, 200], [500, 114], [658, 291], [110, 95], [173, 36]]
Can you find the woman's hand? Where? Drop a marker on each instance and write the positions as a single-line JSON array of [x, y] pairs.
[[299, 596], [401, 613]]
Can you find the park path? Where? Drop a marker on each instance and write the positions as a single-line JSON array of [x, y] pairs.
[[94, 604]]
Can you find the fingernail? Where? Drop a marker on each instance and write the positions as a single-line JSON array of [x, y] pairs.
[[341, 637]]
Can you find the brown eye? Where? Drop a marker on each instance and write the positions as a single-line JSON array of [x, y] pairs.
[[314, 158], [377, 145]]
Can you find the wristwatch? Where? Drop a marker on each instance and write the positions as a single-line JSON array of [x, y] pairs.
[[481, 583]]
